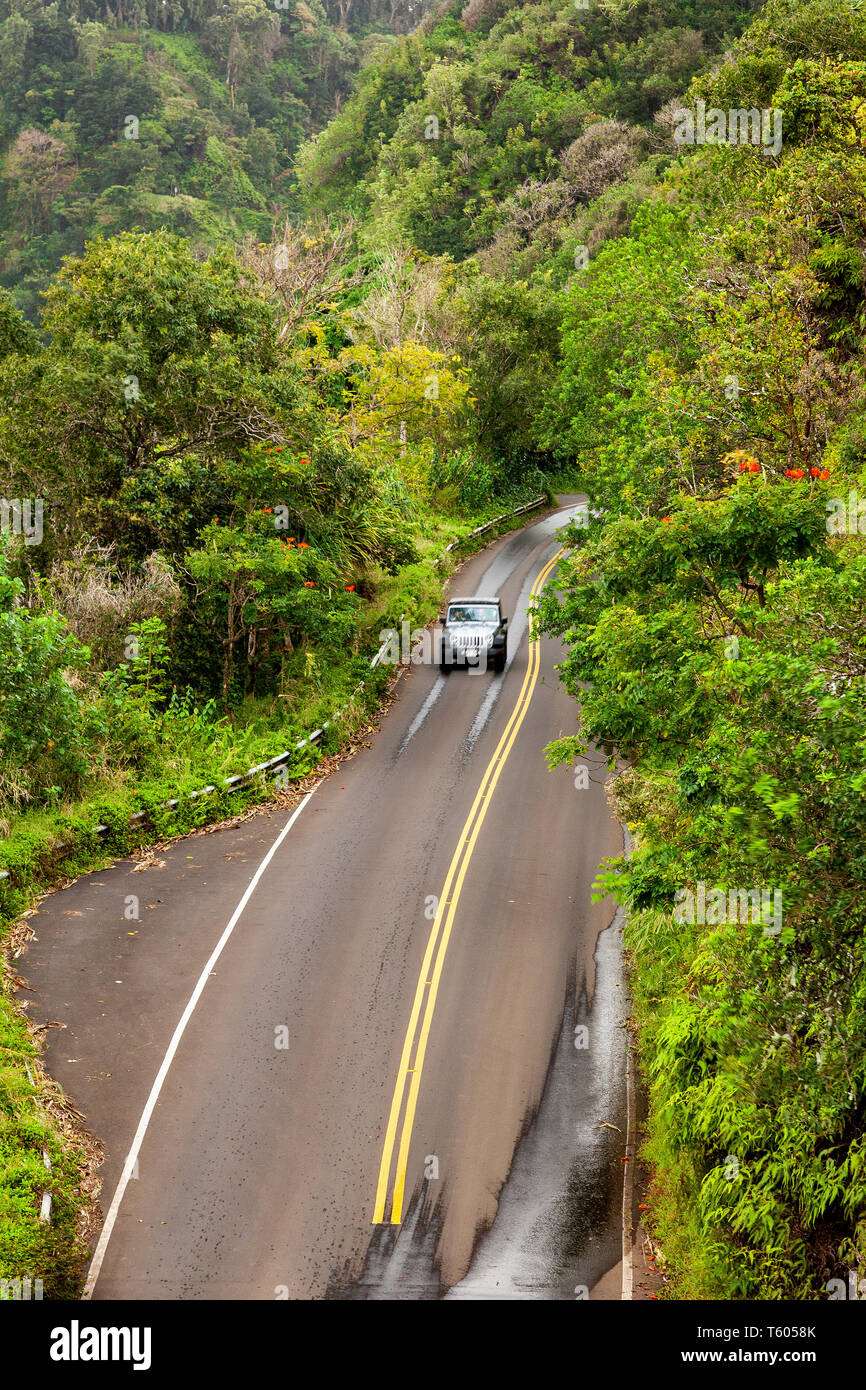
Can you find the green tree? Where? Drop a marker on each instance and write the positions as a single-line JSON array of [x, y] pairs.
[[153, 355], [42, 727]]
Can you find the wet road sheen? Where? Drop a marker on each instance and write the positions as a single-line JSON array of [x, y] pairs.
[[258, 1174]]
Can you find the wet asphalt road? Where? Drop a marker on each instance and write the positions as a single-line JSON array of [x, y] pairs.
[[258, 1174]]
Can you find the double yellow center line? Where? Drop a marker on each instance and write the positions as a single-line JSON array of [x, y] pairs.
[[440, 934]]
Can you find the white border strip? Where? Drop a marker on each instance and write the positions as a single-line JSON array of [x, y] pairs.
[[132, 1157], [628, 1180], [628, 1232]]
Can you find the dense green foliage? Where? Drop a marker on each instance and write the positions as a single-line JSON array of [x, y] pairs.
[[712, 384], [256, 409], [490, 126], [146, 115], [233, 498]]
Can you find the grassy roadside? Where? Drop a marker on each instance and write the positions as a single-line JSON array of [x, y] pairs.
[[42, 849], [35, 1125]]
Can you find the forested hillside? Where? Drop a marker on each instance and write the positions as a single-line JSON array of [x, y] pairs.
[[185, 115], [711, 383], [495, 123], [345, 290]]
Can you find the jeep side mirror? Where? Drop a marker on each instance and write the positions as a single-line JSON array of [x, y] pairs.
[[505, 622]]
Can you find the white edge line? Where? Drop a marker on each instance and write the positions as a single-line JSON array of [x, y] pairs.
[[132, 1157], [628, 1233], [628, 1183]]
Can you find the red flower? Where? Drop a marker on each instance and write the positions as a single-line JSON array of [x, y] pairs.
[[825, 473], [350, 588], [797, 473], [815, 472], [302, 545], [266, 511], [304, 460], [754, 467]]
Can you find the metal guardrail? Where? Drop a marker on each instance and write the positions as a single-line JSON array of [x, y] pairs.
[[241, 778], [280, 759], [488, 525]]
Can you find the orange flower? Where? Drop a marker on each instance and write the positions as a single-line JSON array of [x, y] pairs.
[[302, 545]]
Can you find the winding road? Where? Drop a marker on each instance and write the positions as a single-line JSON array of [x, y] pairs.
[[372, 1046]]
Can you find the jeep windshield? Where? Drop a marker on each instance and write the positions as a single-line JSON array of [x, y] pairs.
[[473, 613]]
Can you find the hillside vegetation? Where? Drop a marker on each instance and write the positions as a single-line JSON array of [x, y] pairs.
[[492, 125], [147, 115], [711, 383], [407, 280]]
